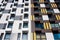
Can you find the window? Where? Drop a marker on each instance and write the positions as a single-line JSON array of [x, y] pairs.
[[12, 16], [26, 0], [25, 16], [4, 4], [26, 4], [56, 36], [16, 0], [1, 36], [38, 25], [56, 10], [13, 9], [42, 5], [36, 16], [54, 25], [18, 17], [40, 36], [21, 10], [21, 17], [26, 9], [3, 26], [51, 0], [10, 24], [7, 36], [36, 4], [36, 10], [25, 36], [45, 17], [18, 36], [20, 25], [25, 24], [15, 4], [36, 0], [20, 5], [22, 1], [6, 11]]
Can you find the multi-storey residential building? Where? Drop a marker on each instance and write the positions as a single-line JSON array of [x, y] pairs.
[[15, 21], [45, 19], [29, 19]]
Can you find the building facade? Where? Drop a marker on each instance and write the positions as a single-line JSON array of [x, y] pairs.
[[29, 19], [45, 20], [15, 19]]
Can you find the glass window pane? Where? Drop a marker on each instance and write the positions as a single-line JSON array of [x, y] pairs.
[[25, 36], [37, 36], [7, 36], [52, 25], [43, 36], [56, 25]]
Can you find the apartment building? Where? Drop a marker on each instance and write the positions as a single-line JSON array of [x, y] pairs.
[[29, 19], [15, 21], [45, 19]]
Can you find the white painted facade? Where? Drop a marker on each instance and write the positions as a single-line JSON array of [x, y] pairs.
[[15, 28]]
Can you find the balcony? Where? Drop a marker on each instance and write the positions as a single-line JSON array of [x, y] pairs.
[[37, 17], [36, 5], [51, 17], [47, 5], [55, 25], [57, 1], [49, 10], [36, 10], [36, 0], [38, 25], [46, 1]]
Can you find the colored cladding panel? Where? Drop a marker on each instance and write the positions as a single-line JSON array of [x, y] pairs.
[[31, 18], [32, 5], [54, 5], [58, 17], [34, 36], [47, 25], [44, 11], [41, 0]]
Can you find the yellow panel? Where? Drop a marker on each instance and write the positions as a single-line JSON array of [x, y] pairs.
[[47, 26], [44, 26], [43, 11], [57, 17], [41, 0], [53, 5], [34, 36], [50, 26], [31, 18], [32, 5]]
